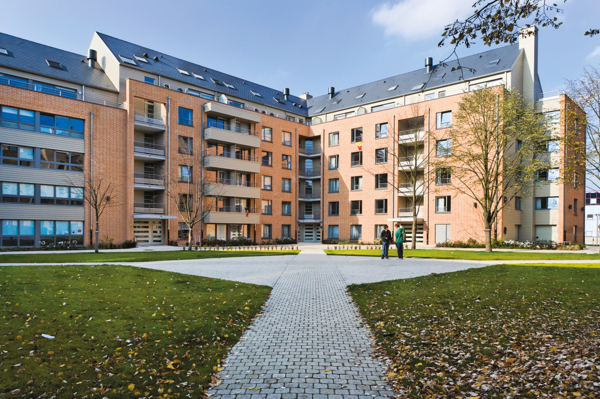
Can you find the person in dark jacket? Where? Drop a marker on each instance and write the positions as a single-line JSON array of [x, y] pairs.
[[386, 237]]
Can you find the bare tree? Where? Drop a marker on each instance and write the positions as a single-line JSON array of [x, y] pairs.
[[494, 151]]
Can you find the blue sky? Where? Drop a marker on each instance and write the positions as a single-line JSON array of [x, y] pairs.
[[306, 46]]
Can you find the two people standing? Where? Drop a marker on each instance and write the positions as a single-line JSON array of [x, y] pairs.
[[386, 238]]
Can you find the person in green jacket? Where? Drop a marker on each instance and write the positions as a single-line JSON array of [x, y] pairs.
[[400, 236]]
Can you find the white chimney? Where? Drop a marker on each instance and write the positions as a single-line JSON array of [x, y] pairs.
[[528, 42]]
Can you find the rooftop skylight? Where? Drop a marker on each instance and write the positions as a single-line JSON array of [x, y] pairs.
[[54, 64], [337, 102], [440, 76], [278, 100], [3, 51], [141, 59], [319, 110], [229, 86], [216, 81], [127, 60], [198, 76], [492, 63], [419, 86], [183, 72], [392, 88], [361, 95], [255, 93]]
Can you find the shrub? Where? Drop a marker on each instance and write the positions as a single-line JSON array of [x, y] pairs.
[[129, 244]]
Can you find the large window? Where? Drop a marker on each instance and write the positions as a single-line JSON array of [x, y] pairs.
[[381, 155], [334, 208], [552, 116], [267, 207], [61, 125], [334, 185], [356, 183], [185, 145], [51, 159], [54, 90], [286, 185], [381, 207], [286, 161], [382, 107], [443, 204], [356, 232], [378, 229], [59, 232], [357, 135], [356, 208], [334, 162], [267, 183], [16, 118], [518, 205], [183, 231], [286, 208], [18, 156], [186, 203], [334, 139], [356, 159], [333, 232], [381, 181], [185, 174], [267, 134], [186, 116], [286, 230], [18, 233], [58, 195], [18, 192], [546, 203], [443, 176], [443, 148], [267, 231], [286, 139], [267, 158], [443, 119], [548, 175], [381, 130]]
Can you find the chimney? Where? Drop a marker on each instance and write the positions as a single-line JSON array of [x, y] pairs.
[[528, 43], [305, 96], [331, 92], [286, 93], [429, 64], [92, 58]]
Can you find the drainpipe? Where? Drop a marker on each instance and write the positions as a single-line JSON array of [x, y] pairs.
[[298, 185], [565, 158], [91, 169], [428, 171], [322, 188], [82, 92], [394, 190], [168, 152], [201, 155]]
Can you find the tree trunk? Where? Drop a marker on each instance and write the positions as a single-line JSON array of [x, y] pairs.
[[488, 236], [190, 238], [413, 244], [97, 233]]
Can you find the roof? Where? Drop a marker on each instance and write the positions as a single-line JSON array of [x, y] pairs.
[[378, 90], [168, 66], [31, 57]]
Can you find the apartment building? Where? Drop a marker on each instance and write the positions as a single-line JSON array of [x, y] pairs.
[[266, 163]]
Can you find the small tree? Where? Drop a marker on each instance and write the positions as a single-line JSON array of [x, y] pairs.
[[494, 152]]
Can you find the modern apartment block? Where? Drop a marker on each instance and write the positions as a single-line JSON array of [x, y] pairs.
[[270, 164]]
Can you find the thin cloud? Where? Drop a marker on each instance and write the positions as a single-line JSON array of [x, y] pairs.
[[594, 54], [420, 19]]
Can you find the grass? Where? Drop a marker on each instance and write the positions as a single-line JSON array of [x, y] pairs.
[[120, 331], [149, 256], [468, 255], [491, 332]]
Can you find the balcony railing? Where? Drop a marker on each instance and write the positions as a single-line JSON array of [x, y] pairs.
[[233, 155], [309, 172], [231, 182], [141, 207], [234, 209], [149, 148], [232, 128], [411, 133], [153, 118], [149, 179], [310, 195], [309, 150], [314, 215]]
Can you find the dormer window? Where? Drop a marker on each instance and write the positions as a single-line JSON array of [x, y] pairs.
[[127, 60]]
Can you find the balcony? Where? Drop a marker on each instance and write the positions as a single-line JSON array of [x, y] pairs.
[[148, 209], [233, 215], [310, 151], [148, 181], [411, 162], [309, 216], [406, 189], [411, 136], [231, 188], [149, 122], [314, 196], [148, 151], [309, 173], [230, 112], [231, 133], [407, 213], [231, 161]]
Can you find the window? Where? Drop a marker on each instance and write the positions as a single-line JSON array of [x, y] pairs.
[[356, 208], [126, 60], [361, 95], [378, 229], [267, 207], [267, 183], [3, 51], [552, 116], [140, 59], [492, 63], [356, 183], [443, 119], [207, 96], [185, 173], [148, 79], [381, 155], [267, 231], [381, 181], [186, 203], [357, 135], [334, 185], [286, 230], [355, 232], [55, 64], [575, 206], [51, 159], [356, 159], [14, 81], [18, 156], [267, 134], [381, 207], [54, 90], [57, 195], [318, 111], [334, 139], [443, 148], [440, 76], [186, 145], [518, 203], [16, 118], [443, 204], [393, 88], [381, 130], [546, 203], [236, 103], [286, 208], [267, 158], [343, 115], [18, 192], [185, 116], [519, 145], [418, 86], [552, 146], [334, 208], [590, 217], [430, 96], [193, 92], [183, 231], [286, 161], [198, 76], [333, 232], [549, 175], [61, 125], [382, 107], [334, 162], [286, 185], [286, 139], [254, 93], [442, 94], [443, 176], [575, 180]]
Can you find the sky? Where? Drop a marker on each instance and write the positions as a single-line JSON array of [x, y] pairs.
[[306, 46]]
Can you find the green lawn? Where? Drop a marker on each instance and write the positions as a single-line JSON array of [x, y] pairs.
[[120, 331], [502, 330], [469, 255], [84, 257]]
